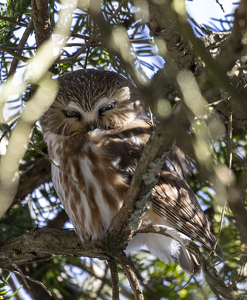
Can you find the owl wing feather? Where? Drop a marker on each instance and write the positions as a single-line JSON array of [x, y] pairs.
[[173, 198]]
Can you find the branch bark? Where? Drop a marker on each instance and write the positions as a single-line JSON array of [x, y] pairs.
[[22, 43], [41, 20], [130, 274], [114, 277]]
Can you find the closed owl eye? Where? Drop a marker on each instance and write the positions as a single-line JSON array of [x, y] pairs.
[[72, 114], [108, 107]]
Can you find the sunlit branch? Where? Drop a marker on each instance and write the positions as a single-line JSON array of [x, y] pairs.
[[151, 292], [130, 274]]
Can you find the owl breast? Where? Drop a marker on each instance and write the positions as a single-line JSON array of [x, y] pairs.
[[90, 205]]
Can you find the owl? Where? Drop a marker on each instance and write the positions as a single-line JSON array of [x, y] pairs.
[[96, 130]]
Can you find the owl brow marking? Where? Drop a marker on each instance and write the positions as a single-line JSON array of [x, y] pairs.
[[75, 106]]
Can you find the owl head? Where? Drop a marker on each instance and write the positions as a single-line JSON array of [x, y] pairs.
[[90, 99]]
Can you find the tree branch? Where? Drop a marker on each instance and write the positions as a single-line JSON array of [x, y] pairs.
[[235, 46], [139, 192], [13, 53], [151, 292], [10, 20], [130, 274], [22, 43], [41, 20], [114, 277], [43, 243]]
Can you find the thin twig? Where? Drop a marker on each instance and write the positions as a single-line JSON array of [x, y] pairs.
[[19, 271], [202, 28], [212, 277], [91, 39], [13, 53], [217, 102], [85, 65], [221, 6], [229, 138], [183, 286], [151, 117], [24, 277], [239, 254], [117, 10], [10, 20], [152, 293], [8, 128], [141, 41], [85, 37], [229, 142], [22, 48], [114, 277], [22, 43], [130, 274], [3, 135]]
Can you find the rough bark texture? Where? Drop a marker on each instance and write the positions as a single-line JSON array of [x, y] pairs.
[[41, 20]]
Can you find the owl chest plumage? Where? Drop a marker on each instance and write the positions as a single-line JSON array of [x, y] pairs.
[[96, 181]]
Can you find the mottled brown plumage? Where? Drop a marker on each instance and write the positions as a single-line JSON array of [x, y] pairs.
[[96, 130]]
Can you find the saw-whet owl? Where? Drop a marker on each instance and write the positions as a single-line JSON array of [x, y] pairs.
[[96, 130]]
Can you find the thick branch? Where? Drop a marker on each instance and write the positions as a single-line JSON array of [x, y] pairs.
[[41, 20], [43, 243]]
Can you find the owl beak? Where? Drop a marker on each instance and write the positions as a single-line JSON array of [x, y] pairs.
[[91, 126]]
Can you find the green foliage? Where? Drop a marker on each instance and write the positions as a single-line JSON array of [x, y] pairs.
[[4, 288]]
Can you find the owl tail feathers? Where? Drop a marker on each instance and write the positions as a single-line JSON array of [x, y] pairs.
[[188, 262], [165, 248]]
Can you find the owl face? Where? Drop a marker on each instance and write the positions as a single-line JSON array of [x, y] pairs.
[[93, 100]]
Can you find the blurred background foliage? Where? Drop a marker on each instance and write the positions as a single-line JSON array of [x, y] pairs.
[[84, 278]]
